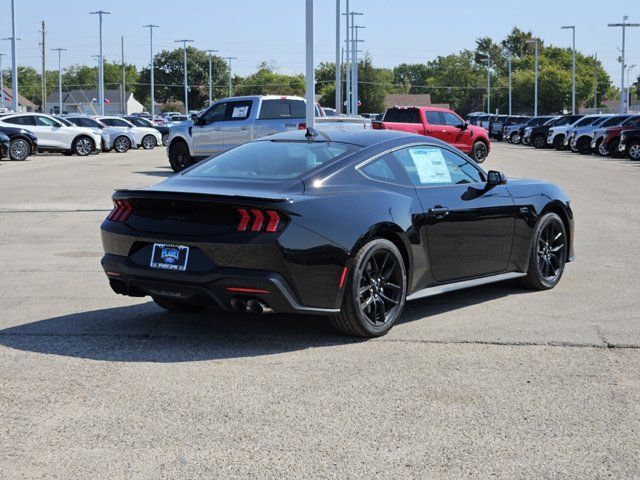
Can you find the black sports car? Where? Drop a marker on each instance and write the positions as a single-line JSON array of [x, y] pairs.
[[345, 224], [23, 143]]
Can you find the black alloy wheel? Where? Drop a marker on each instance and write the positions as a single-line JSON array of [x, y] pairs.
[[539, 141], [19, 149], [549, 253], [515, 138], [165, 139], [584, 146], [479, 152], [375, 292], [179, 157]]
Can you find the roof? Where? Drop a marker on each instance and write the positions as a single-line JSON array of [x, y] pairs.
[[25, 102], [85, 96], [413, 99]]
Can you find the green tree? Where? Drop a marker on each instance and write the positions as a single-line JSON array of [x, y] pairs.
[[266, 81]]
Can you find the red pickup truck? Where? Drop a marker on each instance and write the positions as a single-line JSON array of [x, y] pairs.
[[438, 123]]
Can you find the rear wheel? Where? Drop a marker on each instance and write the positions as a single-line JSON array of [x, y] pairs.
[[558, 142], [122, 144], [515, 138], [83, 146], [548, 253], [602, 149], [19, 149], [633, 150], [375, 292], [179, 156], [177, 305], [165, 139], [479, 151], [584, 146], [149, 142]]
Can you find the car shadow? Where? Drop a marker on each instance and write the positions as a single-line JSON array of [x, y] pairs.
[[156, 173], [146, 333]]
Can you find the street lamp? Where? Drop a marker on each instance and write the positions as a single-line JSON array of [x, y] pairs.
[[487, 58], [210, 52], [573, 67], [356, 96], [509, 54], [310, 74], [535, 76], [338, 88], [186, 86], [629, 68], [14, 62], [59, 50], [153, 95], [100, 13], [624, 26], [228, 59]]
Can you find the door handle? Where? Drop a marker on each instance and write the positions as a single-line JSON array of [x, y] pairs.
[[438, 211]]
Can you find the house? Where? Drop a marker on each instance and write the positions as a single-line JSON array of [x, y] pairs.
[[411, 100], [24, 105], [86, 101]]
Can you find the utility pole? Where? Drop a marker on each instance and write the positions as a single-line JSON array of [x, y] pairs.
[[186, 85], [210, 52], [14, 61], [595, 83], [151, 68], [310, 74], [1, 83], [573, 68], [488, 84], [356, 96], [624, 26], [509, 62], [123, 95], [535, 76], [44, 71], [338, 87], [229, 67], [629, 68], [59, 50], [347, 65], [354, 48], [100, 13]]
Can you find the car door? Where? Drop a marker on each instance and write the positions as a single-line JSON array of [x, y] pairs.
[[50, 133], [458, 136], [207, 135], [435, 126], [236, 127], [468, 226]]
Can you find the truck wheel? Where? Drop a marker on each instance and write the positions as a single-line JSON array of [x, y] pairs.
[[584, 146], [633, 150], [479, 151], [179, 156], [539, 141], [558, 142], [515, 138]]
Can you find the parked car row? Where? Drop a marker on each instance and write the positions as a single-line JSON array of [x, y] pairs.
[[602, 134], [30, 133]]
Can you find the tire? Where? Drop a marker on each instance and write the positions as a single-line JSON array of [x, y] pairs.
[[548, 253], [19, 149], [613, 148], [149, 142], [584, 146], [121, 144], [633, 150], [479, 151], [83, 146], [558, 142], [179, 156], [602, 150], [539, 141], [378, 281], [515, 138], [177, 306], [165, 139]]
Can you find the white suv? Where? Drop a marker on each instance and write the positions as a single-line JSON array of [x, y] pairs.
[[55, 136], [146, 138]]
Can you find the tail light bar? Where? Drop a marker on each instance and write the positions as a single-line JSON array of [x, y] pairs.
[[121, 211], [259, 220], [377, 125]]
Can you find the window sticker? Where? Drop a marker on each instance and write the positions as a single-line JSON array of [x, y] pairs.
[[240, 112], [431, 165]]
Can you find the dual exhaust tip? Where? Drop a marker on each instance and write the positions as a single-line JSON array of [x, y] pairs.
[[252, 305]]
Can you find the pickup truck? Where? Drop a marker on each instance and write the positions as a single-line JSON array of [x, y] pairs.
[[439, 123], [232, 121]]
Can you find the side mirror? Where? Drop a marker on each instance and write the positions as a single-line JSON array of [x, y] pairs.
[[463, 126], [496, 178], [195, 119]]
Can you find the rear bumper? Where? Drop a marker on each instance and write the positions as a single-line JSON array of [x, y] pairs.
[[128, 278]]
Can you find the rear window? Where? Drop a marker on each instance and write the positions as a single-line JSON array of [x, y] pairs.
[[402, 115], [273, 109], [24, 120], [271, 160]]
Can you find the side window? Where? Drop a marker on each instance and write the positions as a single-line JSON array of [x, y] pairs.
[[387, 169], [108, 122], [431, 166], [215, 113], [22, 120], [46, 122], [451, 120], [434, 118], [238, 110]]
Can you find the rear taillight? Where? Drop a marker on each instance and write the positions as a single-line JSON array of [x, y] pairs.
[[377, 126], [259, 220], [121, 211], [302, 126]]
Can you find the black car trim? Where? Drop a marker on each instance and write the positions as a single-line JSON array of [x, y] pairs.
[[450, 287]]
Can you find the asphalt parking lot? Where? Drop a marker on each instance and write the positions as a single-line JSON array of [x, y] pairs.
[[494, 382]]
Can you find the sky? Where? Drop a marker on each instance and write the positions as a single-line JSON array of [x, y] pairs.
[[396, 31]]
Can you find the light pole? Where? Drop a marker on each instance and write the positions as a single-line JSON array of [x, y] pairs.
[[354, 48], [347, 67], [14, 61], [629, 68], [186, 85], [356, 96], [151, 68], [573, 67], [1, 82], [210, 52], [624, 26], [229, 67], [509, 63], [487, 57], [59, 50], [310, 74], [535, 76], [338, 87], [100, 13]]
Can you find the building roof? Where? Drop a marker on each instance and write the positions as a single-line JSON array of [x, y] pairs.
[[25, 102], [411, 99], [85, 96]]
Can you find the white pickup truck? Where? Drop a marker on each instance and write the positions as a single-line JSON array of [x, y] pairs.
[[230, 122]]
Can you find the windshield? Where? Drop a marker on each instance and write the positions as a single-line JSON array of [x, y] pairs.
[[271, 160], [139, 121], [601, 120]]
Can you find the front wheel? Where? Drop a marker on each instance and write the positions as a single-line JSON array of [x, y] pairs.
[[479, 151], [548, 253], [584, 146], [122, 144], [149, 142], [19, 149], [177, 306], [375, 292], [83, 146], [179, 156], [515, 138], [165, 139], [558, 142], [539, 141], [633, 150], [602, 149]]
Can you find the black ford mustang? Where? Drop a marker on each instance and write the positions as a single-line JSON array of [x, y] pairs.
[[349, 225]]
